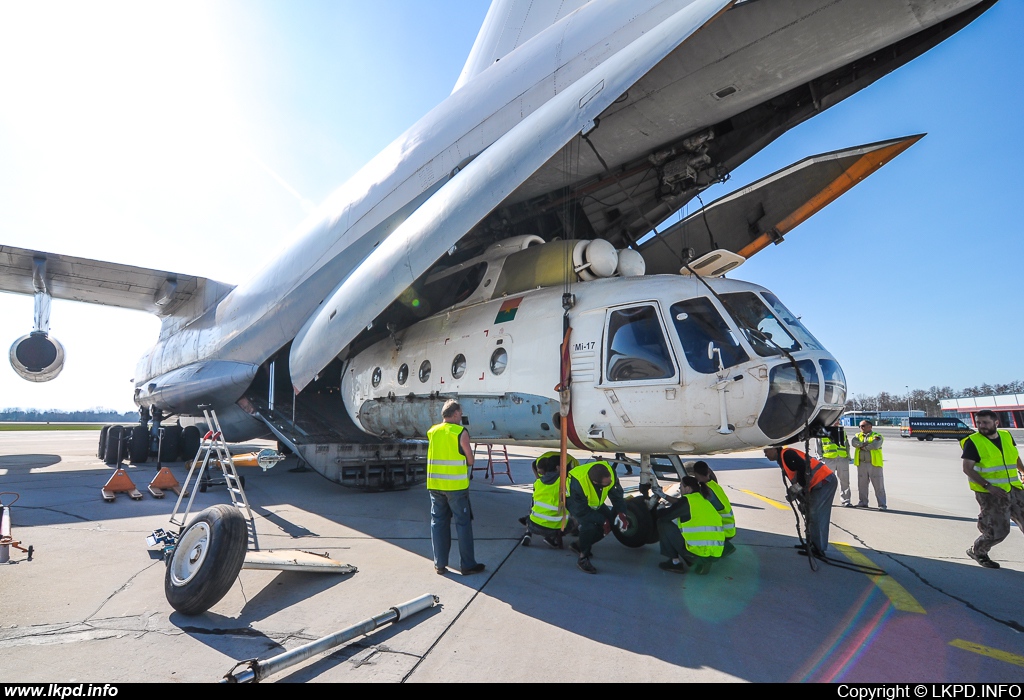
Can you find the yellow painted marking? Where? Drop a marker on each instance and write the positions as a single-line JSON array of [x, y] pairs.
[[898, 595], [988, 651], [769, 501]]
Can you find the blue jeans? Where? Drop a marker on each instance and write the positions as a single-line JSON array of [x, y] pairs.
[[443, 505]]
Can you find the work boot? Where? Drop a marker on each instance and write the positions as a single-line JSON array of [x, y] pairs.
[[982, 559], [473, 570], [522, 521], [728, 549], [526, 540], [554, 541], [584, 565], [673, 567]]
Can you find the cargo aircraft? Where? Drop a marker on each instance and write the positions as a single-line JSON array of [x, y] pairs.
[[512, 249]]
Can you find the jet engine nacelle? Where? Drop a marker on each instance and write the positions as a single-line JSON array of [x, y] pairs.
[[37, 357]]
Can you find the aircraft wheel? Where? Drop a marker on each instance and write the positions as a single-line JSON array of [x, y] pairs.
[[102, 451], [110, 455], [171, 448], [641, 524], [138, 445], [929, 437], [206, 560], [190, 442]]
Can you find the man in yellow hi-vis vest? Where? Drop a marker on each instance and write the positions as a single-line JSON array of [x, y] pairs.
[[993, 466], [867, 455], [449, 459], [832, 450], [546, 516]]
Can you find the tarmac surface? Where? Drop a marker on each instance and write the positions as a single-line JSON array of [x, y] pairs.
[[90, 606]]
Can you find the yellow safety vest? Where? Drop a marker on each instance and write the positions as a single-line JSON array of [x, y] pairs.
[[728, 517], [831, 450], [703, 532], [998, 465], [582, 475], [876, 455], [546, 511], [447, 469]]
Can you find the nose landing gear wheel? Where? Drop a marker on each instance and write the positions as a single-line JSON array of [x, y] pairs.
[[641, 528], [206, 560]]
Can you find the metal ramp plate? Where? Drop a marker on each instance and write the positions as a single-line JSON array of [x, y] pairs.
[[295, 560]]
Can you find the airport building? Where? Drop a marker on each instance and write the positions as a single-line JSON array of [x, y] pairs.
[[1009, 408]]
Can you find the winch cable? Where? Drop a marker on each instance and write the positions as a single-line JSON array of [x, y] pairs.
[[570, 170]]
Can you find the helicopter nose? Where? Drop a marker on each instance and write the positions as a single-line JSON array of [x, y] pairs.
[[792, 399]]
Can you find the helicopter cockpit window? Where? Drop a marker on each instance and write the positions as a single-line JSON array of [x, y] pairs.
[[761, 327], [636, 347], [698, 323], [799, 330]]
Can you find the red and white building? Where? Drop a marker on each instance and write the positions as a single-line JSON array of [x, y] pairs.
[[1009, 408]]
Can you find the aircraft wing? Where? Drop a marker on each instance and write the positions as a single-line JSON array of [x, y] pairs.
[[98, 282], [477, 189], [747, 220]]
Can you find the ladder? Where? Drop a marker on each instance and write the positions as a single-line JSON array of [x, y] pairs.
[[214, 451], [492, 457]]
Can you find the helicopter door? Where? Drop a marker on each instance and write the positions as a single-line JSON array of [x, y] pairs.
[[640, 378]]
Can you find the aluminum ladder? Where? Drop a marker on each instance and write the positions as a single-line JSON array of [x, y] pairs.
[[215, 449]]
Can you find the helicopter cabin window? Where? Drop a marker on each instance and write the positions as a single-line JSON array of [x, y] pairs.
[[762, 328], [636, 348], [699, 325], [459, 366], [799, 330]]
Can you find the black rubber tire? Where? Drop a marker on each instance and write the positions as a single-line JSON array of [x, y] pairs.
[[920, 439], [110, 455], [138, 445], [101, 452], [224, 551], [929, 437], [171, 450], [641, 524], [190, 442]]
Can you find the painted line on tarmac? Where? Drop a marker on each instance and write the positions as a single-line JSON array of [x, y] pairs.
[[770, 501], [898, 595], [988, 651]]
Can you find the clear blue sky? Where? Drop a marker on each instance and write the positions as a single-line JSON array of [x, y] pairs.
[[194, 136]]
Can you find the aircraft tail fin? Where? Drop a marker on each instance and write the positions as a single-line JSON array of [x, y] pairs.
[[508, 24]]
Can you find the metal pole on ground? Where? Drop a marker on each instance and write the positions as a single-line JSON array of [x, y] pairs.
[[254, 670]]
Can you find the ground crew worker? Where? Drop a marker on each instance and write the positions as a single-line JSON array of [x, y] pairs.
[[449, 459], [590, 485], [694, 535], [869, 466], [814, 484], [704, 475], [546, 517], [832, 449], [991, 462]]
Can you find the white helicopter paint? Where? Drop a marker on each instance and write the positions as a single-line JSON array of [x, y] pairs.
[[498, 351]]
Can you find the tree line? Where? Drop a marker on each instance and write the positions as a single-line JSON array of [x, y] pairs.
[[927, 400], [92, 415]]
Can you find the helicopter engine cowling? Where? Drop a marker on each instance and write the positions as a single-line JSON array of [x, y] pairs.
[[37, 357]]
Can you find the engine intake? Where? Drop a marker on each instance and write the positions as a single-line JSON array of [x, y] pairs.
[[37, 357]]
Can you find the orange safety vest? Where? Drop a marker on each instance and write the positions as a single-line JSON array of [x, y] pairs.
[[819, 472]]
